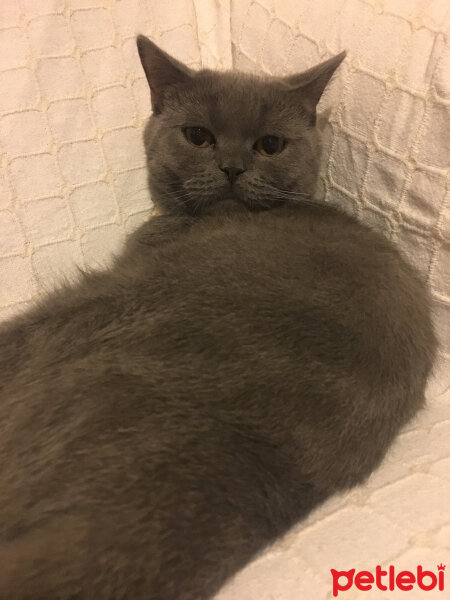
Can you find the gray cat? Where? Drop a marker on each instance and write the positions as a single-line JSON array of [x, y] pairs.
[[249, 354]]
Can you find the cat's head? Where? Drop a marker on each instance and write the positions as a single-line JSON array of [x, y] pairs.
[[217, 136]]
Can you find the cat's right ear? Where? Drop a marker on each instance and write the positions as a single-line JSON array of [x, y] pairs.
[[162, 71], [310, 85]]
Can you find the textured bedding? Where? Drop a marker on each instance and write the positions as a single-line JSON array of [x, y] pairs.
[[73, 103]]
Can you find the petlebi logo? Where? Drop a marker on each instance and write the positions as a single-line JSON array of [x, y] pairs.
[[389, 579]]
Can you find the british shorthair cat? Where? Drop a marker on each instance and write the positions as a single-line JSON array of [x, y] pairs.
[[251, 352]]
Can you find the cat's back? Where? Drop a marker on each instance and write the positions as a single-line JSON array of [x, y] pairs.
[[245, 349], [236, 281], [236, 300], [261, 265]]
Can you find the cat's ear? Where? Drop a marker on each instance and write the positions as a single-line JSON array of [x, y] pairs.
[[311, 84], [161, 70]]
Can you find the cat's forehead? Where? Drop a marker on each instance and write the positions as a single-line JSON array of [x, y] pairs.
[[239, 104]]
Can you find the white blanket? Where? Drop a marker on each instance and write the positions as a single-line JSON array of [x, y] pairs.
[[73, 103]]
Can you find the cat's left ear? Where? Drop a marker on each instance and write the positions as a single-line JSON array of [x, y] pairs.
[[311, 84], [162, 71]]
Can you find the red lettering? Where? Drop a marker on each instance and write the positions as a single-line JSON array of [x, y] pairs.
[[379, 573], [441, 579], [421, 574], [391, 578], [404, 580], [338, 587], [364, 580]]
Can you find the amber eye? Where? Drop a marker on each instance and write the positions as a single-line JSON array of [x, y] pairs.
[[269, 145], [199, 136]]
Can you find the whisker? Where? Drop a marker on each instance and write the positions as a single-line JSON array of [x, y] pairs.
[[285, 192], [260, 194]]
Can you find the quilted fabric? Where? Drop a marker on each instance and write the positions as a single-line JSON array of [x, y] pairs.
[[73, 103]]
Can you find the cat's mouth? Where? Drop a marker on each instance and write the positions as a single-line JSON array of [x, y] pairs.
[[225, 206], [234, 193], [222, 196], [229, 198], [247, 197]]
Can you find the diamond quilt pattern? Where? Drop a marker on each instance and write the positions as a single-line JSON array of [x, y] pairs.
[[73, 103]]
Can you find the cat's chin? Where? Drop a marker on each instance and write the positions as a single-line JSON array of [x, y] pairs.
[[225, 206]]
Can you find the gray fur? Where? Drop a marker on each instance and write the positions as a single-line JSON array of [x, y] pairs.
[[247, 356], [238, 109]]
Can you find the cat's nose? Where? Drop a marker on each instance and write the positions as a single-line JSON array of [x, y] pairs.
[[232, 173]]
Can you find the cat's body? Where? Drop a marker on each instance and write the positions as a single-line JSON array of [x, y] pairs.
[[163, 421]]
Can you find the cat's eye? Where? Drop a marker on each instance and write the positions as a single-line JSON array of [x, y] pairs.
[[269, 145], [199, 136]]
